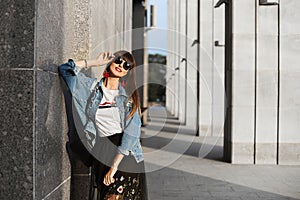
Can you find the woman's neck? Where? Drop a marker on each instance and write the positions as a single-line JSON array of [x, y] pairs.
[[111, 83]]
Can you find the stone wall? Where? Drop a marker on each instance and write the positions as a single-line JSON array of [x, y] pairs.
[[17, 99], [37, 36]]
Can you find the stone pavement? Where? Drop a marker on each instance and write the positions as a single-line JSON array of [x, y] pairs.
[[177, 171]]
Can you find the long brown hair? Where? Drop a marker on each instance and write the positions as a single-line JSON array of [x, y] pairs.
[[129, 81]]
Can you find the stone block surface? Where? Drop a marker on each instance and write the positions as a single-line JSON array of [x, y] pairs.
[[243, 88], [266, 89], [243, 11], [100, 21], [242, 153], [52, 161], [62, 32], [289, 17], [289, 124], [62, 191], [243, 124], [267, 23], [17, 33], [289, 51], [243, 54], [266, 125], [289, 153], [80, 186], [16, 134], [266, 153], [50, 34], [127, 27], [267, 53]]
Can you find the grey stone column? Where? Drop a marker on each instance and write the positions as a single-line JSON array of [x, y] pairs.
[[37, 37], [61, 32], [17, 99]]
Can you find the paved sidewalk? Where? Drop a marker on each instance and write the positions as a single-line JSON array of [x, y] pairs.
[[178, 173]]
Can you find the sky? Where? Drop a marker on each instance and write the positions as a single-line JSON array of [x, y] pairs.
[[157, 39]]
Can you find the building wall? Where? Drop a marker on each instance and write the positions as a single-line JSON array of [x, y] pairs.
[[243, 81], [17, 86], [183, 97], [265, 94], [110, 28], [37, 37], [289, 76], [266, 84]]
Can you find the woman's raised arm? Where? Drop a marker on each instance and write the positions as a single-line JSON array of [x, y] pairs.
[[102, 59]]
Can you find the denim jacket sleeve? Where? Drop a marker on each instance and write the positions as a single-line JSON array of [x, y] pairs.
[[69, 72], [131, 136], [81, 88]]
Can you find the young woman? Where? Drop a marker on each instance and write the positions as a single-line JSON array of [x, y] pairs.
[[107, 118]]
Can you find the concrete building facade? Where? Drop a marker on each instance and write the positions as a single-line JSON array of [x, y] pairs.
[[241, 75], [36, 37]]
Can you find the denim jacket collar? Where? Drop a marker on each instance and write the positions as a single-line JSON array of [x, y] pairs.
[[120, 87]]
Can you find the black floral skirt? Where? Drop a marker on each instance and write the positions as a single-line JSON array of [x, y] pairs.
[[130, 179]]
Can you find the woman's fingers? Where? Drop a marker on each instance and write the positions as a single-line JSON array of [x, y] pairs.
[[108, 180], [109, 177], [104, 58], [107, 55], [110, 55]]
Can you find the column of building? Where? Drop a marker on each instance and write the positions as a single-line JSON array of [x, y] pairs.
[[262, 70], [260, 83], [206, 67], [243, 81], [170, 60], [181, 62], [191, 64], [266, 72], [289, 81], [38, 36]]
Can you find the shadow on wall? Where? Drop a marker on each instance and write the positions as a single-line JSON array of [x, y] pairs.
[[74, 145], [51, 159], [79, 157]]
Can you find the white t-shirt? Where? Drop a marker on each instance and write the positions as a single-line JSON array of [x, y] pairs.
[[108, 120]]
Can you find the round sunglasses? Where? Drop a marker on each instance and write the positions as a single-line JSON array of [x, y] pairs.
[[126, 65]]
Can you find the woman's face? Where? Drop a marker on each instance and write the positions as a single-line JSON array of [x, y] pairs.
[[116, 69]]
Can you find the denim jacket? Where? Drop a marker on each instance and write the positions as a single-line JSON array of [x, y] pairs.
[[86, 97]]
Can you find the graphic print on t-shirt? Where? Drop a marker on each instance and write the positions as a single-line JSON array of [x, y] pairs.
[[107, 104], [108, 121]]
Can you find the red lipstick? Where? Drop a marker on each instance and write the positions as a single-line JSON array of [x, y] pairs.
[[118, 69]]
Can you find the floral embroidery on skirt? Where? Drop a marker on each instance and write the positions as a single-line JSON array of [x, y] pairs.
[[125, 188]]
